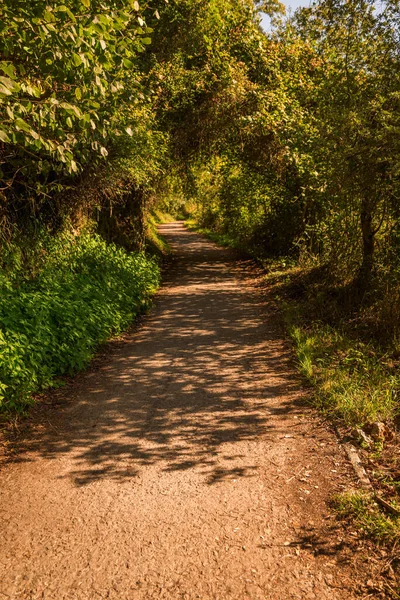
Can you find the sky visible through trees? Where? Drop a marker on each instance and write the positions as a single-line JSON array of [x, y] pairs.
[[291, 6]]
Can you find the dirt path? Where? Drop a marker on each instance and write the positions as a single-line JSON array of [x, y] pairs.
[[185, 466]]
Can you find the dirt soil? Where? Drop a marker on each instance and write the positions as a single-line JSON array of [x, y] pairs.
[[185, 465]]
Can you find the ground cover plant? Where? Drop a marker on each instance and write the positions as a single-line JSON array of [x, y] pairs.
[[51, 324]]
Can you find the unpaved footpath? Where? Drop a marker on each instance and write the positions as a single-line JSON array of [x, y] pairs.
[[186, 465]]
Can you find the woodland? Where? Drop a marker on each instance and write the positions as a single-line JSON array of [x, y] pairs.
[[116, 114]]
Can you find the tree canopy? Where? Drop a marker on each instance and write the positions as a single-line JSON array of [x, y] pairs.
[[287, 141]]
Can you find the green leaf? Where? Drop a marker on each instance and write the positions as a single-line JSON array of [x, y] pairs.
[[33, 91], [4, 137], [48, 16], [9, 85], [76, 59], [72, 109], [22, 125], [78, 93], [8, 69]]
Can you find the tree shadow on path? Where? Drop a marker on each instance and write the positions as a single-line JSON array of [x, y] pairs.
[[204, 374]]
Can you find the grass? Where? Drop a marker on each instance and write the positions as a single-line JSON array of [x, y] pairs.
[[160, 216], [156, 244], [355, 377], [354, 380], [361, 509]]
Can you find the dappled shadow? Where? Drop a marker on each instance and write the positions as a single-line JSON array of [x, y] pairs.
[[319, 545], [205, 371]]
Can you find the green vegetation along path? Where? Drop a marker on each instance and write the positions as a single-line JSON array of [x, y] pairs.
[[183, 464]]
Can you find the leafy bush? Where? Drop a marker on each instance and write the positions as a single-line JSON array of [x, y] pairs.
[[86, 292], [65, 72]]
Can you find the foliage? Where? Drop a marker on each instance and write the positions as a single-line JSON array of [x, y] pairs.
[[286, 144], [67, 69], [155, 243], [310, 164], [84, 292]]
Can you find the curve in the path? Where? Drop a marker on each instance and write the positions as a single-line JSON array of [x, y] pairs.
[[185, 466]]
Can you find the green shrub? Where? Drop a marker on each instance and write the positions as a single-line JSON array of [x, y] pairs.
[[50, 325]]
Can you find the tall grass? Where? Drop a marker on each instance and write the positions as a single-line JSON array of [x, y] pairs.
[[354, 380]]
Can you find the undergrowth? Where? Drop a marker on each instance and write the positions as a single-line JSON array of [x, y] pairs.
[[355, 381], [155, 243], [84, 292]]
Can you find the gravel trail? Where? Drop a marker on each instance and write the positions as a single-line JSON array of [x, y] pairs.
[[185, 465]]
